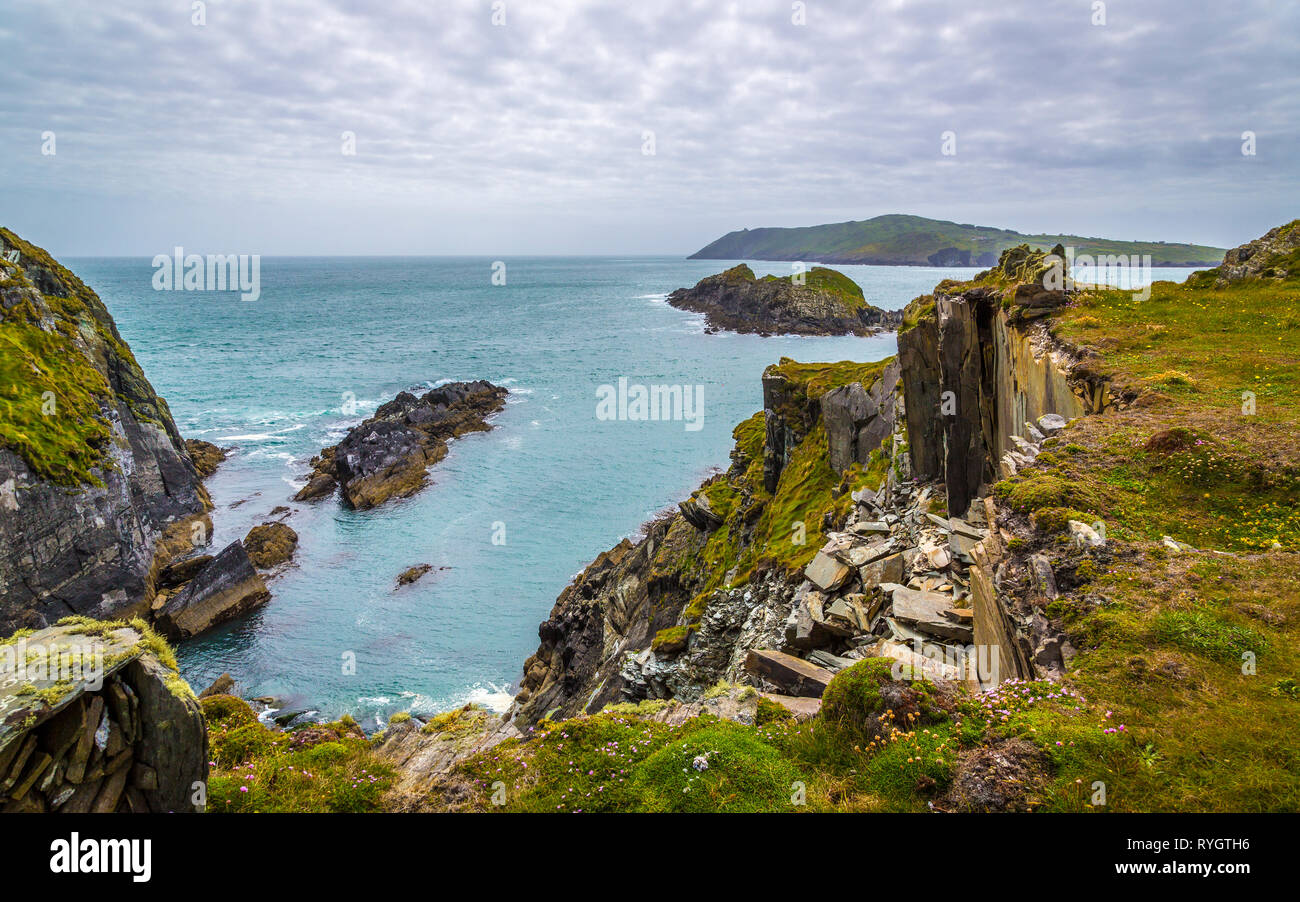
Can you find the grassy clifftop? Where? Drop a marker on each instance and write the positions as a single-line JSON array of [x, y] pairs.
[[1193, 643], [918, 241]]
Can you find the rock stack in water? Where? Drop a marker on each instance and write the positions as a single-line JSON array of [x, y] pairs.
[[95, 718], [388, 455]]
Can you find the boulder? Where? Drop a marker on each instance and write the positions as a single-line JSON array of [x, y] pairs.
[[827, 572], [226, 588], [220, 686], [270, 545], [794, 676], [411, 574], [1051, 423], [699, 513], [1084, 536], [930, 612], [884, 570], [205, 456]]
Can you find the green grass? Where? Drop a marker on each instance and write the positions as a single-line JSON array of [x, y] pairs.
[[1184, 649], [53, 355], [324, 768]]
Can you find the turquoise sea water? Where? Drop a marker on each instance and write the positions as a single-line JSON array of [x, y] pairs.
[[275, 379]]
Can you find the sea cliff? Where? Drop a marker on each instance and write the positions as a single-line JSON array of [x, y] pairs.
[[97, 489]]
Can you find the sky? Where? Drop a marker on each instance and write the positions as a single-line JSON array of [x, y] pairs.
[[500, 127]]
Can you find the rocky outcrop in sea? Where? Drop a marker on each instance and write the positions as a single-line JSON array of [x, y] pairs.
[[388, 455], [819, 302]]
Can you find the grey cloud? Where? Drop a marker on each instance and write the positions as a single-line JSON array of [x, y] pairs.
[[472, 136]]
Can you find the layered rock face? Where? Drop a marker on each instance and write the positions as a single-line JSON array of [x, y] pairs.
[[826, 303], [978, 368], [95, 718], [226, 587], [710, 594], [388, 455], [97, 490]]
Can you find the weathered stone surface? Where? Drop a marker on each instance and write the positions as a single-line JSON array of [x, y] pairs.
[[803, 708], [425, 762], [885, 570], [1051, 423], [826, 572], [1084, 536], [858, 419], [227, 588], [90, 549], [220, 686], [700, 513], [270, 544], [930, 612], [388, 455], [794, 676], [1270, 256], [180, 571], [76, 741]]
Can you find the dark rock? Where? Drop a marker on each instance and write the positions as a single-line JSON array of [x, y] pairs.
[[179, 572], [411, 574], [227, 588], [81, 548], [794, 676], [857, 420], [388, 455]]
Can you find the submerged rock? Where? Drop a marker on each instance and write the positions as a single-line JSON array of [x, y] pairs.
[[270, 545], [411, 574]]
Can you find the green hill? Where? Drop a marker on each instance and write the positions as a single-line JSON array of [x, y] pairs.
[[898, 239]]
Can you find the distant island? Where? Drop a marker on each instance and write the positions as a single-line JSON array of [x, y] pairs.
[[902, 240], [819, 302]]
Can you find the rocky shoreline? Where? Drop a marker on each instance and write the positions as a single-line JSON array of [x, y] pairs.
[[819, 302], [388, 455]]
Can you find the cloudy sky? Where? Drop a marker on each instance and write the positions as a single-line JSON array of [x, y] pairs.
[[535, 135]]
